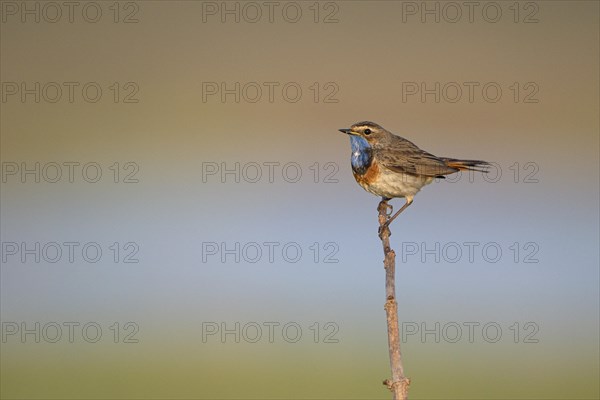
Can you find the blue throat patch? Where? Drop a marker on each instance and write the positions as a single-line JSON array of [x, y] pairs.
[[362, 154]]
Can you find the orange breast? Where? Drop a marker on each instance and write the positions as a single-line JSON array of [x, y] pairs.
[[368, 177]]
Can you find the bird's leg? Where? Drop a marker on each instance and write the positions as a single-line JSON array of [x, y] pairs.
[[404, 207], [384, 201], [385, 210], [384, 215]]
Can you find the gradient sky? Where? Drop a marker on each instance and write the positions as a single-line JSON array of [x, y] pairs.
[[540, 208]]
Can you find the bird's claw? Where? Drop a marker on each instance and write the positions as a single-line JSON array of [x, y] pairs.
[[390, 208], [383, 228]]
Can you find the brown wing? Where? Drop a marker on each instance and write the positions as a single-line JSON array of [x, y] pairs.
[[401, 155]]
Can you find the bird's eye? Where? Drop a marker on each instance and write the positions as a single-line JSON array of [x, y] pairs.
[[367, 131]]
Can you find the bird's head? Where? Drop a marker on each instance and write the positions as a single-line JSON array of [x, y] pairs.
[[369, 131]]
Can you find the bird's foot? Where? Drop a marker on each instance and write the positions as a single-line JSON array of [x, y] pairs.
[[386, 210], [385, 228], [385, 207]]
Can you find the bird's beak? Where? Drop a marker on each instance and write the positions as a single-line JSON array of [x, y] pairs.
[[346, 131]]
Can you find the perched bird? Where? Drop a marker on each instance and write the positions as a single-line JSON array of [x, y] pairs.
[[390, 166]]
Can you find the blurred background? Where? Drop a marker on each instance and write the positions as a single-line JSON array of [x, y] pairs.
[[179, 217]]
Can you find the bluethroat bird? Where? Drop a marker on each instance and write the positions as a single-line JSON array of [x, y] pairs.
[[390, 166]]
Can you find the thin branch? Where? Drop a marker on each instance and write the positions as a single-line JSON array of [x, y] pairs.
[[399, 383]]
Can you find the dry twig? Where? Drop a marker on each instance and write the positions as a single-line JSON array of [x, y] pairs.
[[399, 383]]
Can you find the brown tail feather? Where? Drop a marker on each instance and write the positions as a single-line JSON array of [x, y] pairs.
[[467, 165]]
